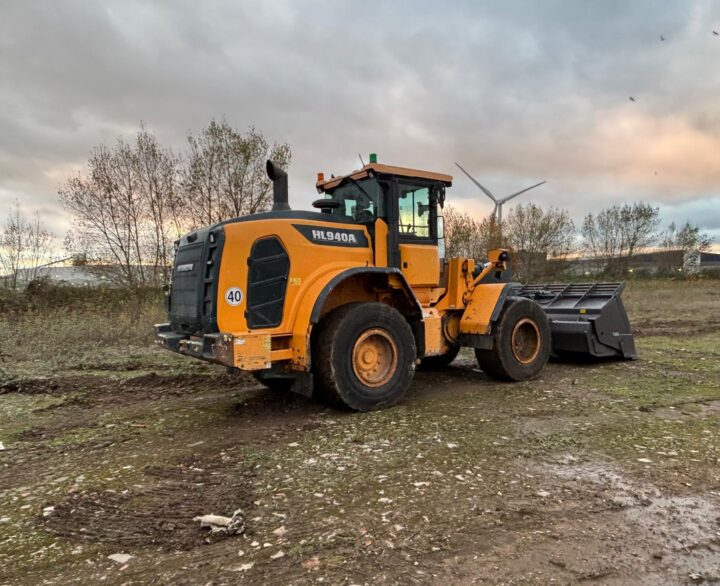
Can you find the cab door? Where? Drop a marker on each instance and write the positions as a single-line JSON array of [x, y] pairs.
[[416, 227]]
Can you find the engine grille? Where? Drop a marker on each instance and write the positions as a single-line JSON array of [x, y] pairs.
[[194, 282], [269, 266]]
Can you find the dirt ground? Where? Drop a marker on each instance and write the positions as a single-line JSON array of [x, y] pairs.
[[605, 473]]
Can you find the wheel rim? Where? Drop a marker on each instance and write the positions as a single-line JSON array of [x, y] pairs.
[[374, 357], [526, 340]]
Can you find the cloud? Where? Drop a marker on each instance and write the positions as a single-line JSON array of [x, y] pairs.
[[517, 91]]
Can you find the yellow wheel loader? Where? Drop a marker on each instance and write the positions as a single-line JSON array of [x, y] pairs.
[[346, 301]]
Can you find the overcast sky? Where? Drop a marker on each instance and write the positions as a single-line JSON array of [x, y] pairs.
[[516, 91]]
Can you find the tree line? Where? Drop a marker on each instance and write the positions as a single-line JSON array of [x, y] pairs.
[[542, 238], [137, 197], [24, 244]]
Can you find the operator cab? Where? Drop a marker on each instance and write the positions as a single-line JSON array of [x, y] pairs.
[[405, 200]]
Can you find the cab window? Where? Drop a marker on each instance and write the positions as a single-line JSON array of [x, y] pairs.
[[414, 212], [359, 200]]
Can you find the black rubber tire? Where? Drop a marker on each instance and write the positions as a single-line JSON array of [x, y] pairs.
[[335, 378], [500, 362], [439, 362], [276, 384]]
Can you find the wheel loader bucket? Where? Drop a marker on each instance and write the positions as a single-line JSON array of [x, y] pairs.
[[585, 318]]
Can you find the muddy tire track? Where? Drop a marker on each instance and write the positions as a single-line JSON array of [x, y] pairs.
[[159, 513]]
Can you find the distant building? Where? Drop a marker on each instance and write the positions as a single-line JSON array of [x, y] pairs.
[[78, 276], [650, 263], [710, 261]]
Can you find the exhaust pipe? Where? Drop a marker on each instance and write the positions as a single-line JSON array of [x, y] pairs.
[[280, 186]]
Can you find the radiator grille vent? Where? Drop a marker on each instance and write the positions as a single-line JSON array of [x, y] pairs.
[[269, 266]]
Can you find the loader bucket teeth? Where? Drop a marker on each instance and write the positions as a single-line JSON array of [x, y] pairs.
[[585, 318]]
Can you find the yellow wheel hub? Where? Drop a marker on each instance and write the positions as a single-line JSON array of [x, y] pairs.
[[374, 357], [526, 340]]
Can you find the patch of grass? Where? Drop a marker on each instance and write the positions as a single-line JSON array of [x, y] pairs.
[[675, 451], [691, 440], [665, 307], [50, 328], [697, 355], [95, 336], [670, 371], [551, 443], [16, 411], [65, 338], [663, 409]]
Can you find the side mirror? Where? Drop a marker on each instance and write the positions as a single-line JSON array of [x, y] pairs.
[[437, 195]]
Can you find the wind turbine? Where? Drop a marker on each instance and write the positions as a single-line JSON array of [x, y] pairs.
[[497, 212]]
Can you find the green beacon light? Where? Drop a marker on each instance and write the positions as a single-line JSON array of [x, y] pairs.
[[373, 158]]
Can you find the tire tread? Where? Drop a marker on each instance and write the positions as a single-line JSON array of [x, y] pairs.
[[326, 344], [491, 361]]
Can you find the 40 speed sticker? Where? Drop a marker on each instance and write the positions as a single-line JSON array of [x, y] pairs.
[[234, 296]]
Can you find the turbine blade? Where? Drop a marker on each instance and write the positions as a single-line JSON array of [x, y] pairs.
[[476, 182], [509, 197]]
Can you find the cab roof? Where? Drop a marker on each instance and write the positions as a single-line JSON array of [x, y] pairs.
[[377, 168]]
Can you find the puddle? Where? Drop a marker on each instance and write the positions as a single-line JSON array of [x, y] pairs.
[[680, 532]]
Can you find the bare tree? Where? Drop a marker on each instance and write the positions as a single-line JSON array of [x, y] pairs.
[[108, 208], [602, 234], [686, 238], [640, 222], [24, 246], [618, 232], [462, 234], [157, 174], [127, 211], [536, 236], [491, 235], [136, 199], [466, 236], [224, 175]]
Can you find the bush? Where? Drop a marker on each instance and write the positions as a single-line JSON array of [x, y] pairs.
[[42, 294], [48, 326]]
